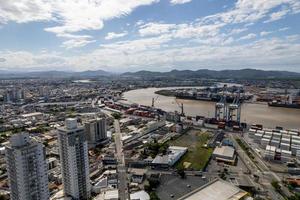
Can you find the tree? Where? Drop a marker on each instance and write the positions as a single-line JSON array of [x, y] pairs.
[[276, 185], [181, 172], [117, 115], [153, 196]]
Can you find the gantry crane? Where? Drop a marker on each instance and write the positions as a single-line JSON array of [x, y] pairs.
[[221, 106], [234, 110]]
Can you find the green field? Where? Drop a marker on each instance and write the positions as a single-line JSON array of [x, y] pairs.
[[197, 155]]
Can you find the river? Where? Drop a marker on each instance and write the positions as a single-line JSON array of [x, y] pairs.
[[251, 113]]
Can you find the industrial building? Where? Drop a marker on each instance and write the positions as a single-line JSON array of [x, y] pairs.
[[140, 195], [173, 155], [216, 190], [224, 154]]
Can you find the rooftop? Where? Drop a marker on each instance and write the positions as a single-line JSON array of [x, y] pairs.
[[216, 190], [226, 151]]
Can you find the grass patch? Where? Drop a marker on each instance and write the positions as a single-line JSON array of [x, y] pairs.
[[197, 155]]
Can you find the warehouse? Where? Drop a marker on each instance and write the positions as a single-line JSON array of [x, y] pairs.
[[173, 155], [225, 154], [216, 190]]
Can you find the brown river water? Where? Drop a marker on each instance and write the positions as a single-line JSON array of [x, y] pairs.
[[251, 113]]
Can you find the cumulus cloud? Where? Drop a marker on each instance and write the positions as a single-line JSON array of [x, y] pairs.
[[148, 52], [174, 2], [25, 11], [151, 29], [76, 43], [70, 16], [250, 11], [248, 37], [211, 39], [113, 35], [265, 33], [277, 15], [284, 29]]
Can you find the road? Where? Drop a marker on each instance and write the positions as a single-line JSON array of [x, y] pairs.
[[259, 168], [122, 171]]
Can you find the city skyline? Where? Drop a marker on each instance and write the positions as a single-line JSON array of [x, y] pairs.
[[156, 35]]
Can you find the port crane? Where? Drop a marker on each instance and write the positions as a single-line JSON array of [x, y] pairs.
[[154, 99], [221, 107], [234, 110], [180, 105]]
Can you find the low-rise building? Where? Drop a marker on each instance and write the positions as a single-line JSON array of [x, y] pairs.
[[216, 190], [224, 154], [173, 155]]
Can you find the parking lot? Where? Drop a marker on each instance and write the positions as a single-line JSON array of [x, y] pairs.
[[173, 187]]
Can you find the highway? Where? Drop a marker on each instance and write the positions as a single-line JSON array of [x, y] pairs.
[[122, 171]]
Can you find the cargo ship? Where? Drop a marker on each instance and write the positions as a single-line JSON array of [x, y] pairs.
[[284, 104], [210, 97]]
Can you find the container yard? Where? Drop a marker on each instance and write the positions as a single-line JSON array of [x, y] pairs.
[[277, 145]]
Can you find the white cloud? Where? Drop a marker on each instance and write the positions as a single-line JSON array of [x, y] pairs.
[[250, 11], [113, 35], [248, 37], [180, 31], [174, 2], [151, 29], [277, 15], [70, 16], [76, 43], [237, 31], [278, 53], [265, 33], [23, 11], [284, 29], [133, 46]]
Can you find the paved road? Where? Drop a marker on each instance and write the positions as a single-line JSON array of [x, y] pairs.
[[259, 168], [122, 171]]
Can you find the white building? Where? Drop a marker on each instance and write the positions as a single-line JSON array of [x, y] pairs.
[[173, 155], [96, 130], [27, 168], [73, 151]]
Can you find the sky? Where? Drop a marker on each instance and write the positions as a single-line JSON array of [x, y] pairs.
[[155, 35]]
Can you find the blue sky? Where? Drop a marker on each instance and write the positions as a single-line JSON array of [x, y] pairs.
[[157, 35]]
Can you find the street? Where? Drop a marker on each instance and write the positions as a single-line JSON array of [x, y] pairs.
[[122, 171]]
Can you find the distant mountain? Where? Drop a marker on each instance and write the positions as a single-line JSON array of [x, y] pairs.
[[54, 74], [223, 74], [178, 74]]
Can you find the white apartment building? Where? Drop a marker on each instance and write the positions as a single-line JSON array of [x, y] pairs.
[[27, 168], [73, 149], [96, 130]]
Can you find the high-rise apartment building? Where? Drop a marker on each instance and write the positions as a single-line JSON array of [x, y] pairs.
[[73, 149], [96, 130], [27, 168]]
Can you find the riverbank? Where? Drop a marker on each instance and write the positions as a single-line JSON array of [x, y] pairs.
[[251, 113]]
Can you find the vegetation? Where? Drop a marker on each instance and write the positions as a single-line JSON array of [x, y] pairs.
[[294, 197], [197, 155], [153, 196], [117, 115], [40, 129], [181, 172], [223, 174], [150, 188], [276, 185], [245, 148], [154, 148]]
